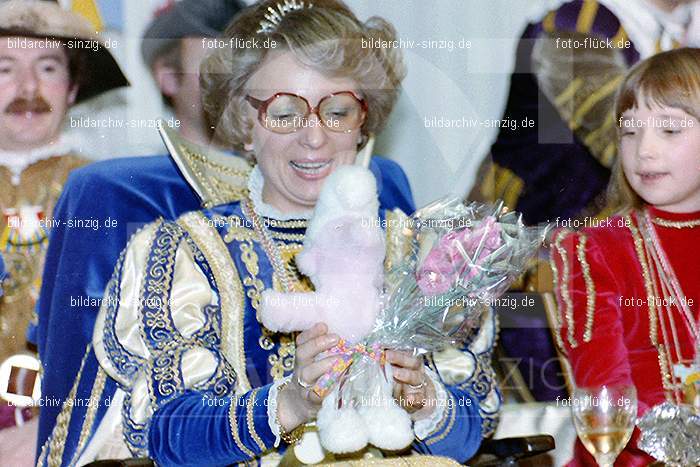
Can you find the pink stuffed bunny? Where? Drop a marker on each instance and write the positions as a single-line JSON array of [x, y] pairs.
[[343, 256]]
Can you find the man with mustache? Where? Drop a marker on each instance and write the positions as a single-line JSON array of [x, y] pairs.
[[41, 77]]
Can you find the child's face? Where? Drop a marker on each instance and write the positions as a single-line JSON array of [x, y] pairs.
[[660, 151]]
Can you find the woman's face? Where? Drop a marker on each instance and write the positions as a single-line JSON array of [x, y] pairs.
[[295, 165], [660, 151]]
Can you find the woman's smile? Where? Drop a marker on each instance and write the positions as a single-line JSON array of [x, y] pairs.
[[311, 169]]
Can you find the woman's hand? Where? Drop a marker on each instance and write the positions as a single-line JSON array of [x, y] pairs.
[[297, 403], [413, 390]]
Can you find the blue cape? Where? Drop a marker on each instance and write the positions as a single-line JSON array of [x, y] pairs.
[[101, 206]]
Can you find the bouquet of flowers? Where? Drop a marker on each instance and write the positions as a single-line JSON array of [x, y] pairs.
[[463, 256]]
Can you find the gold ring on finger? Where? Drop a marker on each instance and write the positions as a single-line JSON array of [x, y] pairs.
[[302, 383], [419, 386]]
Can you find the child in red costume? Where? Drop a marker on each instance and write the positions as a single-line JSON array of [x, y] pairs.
[[628, 287]]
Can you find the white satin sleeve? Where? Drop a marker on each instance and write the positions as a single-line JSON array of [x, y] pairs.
[[190, 294]]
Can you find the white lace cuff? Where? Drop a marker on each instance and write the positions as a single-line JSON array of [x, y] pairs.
[[423, 428], [272, 408]]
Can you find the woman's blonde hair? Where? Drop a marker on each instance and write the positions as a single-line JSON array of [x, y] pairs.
[[326, 37], [669, 79]]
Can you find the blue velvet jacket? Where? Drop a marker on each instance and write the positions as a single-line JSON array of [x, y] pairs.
[[124, 195]]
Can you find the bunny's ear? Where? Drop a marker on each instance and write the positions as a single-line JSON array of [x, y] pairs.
[[306, 261]]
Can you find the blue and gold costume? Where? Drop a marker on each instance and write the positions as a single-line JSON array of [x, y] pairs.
[[208, 267]]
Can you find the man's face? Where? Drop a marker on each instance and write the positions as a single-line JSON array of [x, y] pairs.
[[182, 85], [35, 93], [192, 55]]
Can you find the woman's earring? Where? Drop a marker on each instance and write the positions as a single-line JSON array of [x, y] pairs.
[[249, 152], [361, 140]]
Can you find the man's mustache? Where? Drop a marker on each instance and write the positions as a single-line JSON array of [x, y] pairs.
[[36, 104]]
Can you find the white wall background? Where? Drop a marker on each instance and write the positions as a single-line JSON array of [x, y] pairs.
[[470, 83]]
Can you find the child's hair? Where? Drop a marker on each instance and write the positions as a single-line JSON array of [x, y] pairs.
[[668, 79]]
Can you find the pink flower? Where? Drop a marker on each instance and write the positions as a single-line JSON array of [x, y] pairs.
[[455, 256]]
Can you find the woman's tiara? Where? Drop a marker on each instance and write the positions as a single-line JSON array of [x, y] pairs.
[[273, 17]]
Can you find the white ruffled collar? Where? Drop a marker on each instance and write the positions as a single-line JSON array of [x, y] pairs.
[[17, 161], [255, 187]]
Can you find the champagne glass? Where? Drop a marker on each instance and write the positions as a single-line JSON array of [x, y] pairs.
[[604, 417]]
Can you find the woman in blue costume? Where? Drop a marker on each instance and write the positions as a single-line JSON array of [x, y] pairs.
[[199, 380]]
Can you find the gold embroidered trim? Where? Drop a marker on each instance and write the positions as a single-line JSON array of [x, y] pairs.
[[95, 400], [290, 237], [238, 232], [565, 293], [595, 134], [651, 304], [153, 308], [234, 429], [676, 224], [590, 288], [664, 357], [57, 441], [251, 422], [222, 191], [288, 224], [231, 294], [648, 285], [201, 158], [252, 264], [297, 281], [42, 455], [557, 315], [448, 428], [284, 359]]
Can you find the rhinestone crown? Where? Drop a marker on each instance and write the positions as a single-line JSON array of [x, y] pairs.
[[273, 17]]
